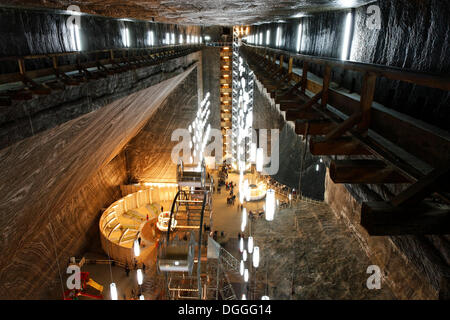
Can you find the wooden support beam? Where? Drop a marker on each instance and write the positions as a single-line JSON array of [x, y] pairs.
[[294, 114], [312, 101], [341, 146], [289, 105], [291, 90], [345, 125], [304, 76], [315, 127], [384, 219], [325, 86], [364, 171], [291, 61], [367, 92], [437, 180], [281, 61], [282, 82]]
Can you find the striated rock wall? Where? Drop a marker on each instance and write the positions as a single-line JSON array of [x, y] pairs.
[[61, 178], [291, 148], [32, 31], [413, 34], [26, 118], [149, 152]]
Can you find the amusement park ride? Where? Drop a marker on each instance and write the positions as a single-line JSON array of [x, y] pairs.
[[86, 282]]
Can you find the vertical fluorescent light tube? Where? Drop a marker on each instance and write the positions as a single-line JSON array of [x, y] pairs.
[[278, 38], [137, 249], [125, 37], [317, 167], [299, 36], [270, 204], [241, 245], [246, 190], [77, 37], [167, 38], [246, 275], [140, 277], [256, 257], [250, 244], [259, 159], [260, 38], [241, 268], [113, 290], [244, 255], [150, 38], [253, 152], [268, 37], [346, 43], [172, 41], [188, 39], [181, 39]]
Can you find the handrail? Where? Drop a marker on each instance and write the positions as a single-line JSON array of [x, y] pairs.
[[174, 203], [427, 79], [68, 53], [199, 254], [127, 55]]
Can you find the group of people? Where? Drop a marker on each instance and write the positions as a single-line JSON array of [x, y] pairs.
[[127, 268], [232, 197]]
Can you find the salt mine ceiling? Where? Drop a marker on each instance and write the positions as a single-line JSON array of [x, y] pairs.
[[201, 12]]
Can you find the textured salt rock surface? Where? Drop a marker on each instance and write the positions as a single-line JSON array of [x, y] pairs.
[[306, 253], [30, 32], [54, 185], [291, 147], [26, 118], [413, 35], [206, 12], [149, 153]]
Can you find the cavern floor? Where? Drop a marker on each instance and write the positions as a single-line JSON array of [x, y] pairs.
[[308, 254]]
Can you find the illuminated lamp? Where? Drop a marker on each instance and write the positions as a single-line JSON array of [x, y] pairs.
[[270, 204]]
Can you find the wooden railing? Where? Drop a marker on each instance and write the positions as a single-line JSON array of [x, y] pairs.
[[72, 68], [340, 124]]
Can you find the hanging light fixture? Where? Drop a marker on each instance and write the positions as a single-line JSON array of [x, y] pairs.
[[259, 159], [241, 245], [241, 192], [246, 190], [140, 276], [246, 275], [244, 255], [113, 290], [256, 257], [250, 244], [141, 297], [137, 249], [241, 268], [253, 152], [270, 204], [244, 297], [265, 298]]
